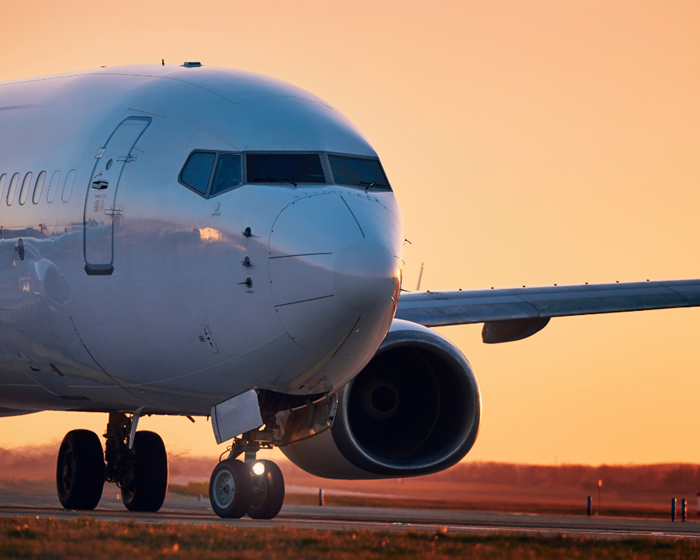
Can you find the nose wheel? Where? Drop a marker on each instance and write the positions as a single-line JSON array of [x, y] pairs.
[[253, 487], [268, 490], [230, 489]]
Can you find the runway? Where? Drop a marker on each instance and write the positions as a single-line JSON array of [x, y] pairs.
[[191, 511]]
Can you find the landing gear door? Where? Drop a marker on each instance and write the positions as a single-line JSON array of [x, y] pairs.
[[101, 200]]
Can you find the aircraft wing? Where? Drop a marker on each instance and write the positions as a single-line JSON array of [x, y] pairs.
[[515, 313]]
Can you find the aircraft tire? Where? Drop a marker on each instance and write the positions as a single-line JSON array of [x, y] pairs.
[[268, 492], [230, 489], [150, 481], [80, 470]]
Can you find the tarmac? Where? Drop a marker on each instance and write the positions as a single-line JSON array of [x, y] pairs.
[[179, 509]]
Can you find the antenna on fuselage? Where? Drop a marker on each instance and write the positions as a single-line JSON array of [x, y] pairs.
[[163, 62], [420, 276]]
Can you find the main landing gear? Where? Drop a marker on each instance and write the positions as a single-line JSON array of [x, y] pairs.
[[80, 471], [253, 487], [139, 469]]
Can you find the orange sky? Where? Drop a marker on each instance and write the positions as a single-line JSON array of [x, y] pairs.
[[528, 143]]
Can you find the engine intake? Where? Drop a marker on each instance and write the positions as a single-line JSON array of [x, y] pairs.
[[414, 409]]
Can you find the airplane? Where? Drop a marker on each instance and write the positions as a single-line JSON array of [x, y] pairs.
[[195, 241]]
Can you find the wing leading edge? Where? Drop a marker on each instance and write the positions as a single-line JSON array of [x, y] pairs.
[[515, 313]]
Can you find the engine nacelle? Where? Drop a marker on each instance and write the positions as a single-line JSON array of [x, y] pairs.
[[414, 409]]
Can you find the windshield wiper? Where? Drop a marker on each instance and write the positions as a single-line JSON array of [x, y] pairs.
[[368, 185], [273, 180]]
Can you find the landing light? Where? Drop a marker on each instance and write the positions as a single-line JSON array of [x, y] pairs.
[[259, 469]]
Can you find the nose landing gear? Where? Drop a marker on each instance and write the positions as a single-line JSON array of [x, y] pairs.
[[252, 487]]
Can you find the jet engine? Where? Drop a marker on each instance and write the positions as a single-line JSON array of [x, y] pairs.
[[414, 409]]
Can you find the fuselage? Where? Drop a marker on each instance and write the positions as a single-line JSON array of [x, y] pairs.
[[122, 286]]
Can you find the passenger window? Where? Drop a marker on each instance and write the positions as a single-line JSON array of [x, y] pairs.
[[39, 187], [11, 190], [284, 168], [197, 170], [359, 172], [228, 173], [53, 187], [68, 186], [3, 180], [24, 191]]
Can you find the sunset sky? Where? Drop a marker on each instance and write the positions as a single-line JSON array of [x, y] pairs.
[[528, 143]]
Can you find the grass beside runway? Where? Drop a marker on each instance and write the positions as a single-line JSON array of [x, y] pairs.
[[24, 537]]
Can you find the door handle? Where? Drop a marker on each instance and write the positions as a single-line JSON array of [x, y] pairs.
[[99, 185]]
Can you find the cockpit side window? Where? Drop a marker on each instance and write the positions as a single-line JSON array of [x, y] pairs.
[[285, 168], [197, 170], [358, 172], [228, 173]]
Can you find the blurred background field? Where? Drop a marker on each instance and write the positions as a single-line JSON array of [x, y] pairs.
[[627, 490]]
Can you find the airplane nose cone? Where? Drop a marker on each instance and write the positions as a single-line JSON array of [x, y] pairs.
[[334, 270], [365, 276]]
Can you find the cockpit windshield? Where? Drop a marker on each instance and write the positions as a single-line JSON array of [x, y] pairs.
[[284, 168], [228, 173], [211, 173], [358, 172]]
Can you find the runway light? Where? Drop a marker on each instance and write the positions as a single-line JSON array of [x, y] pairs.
[[258, 469]]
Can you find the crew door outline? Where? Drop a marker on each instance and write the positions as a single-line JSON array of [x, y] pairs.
[[101, 196]]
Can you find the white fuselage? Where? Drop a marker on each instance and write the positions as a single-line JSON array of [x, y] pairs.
[[135, 295]]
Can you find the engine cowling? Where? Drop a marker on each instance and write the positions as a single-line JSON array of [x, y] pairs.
[[414, 409]]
